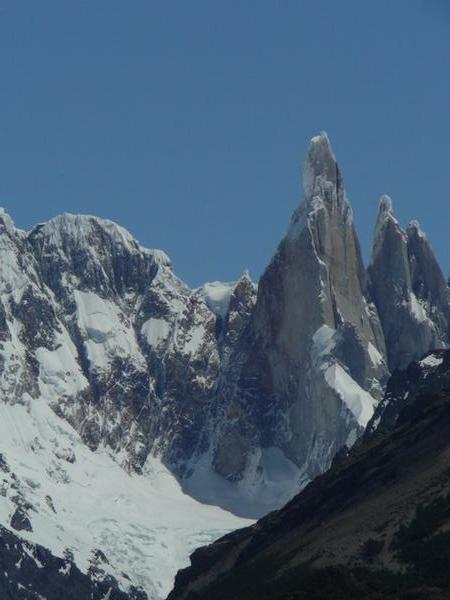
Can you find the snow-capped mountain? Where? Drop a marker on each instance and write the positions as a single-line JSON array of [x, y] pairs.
[[130, 400], [90, 321]]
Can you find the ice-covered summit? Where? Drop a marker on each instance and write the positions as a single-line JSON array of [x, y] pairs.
[[84, 230]]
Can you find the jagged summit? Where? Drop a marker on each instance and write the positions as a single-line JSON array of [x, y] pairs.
[[246, 275], [385, 206], [320, 162], [386, 212], [408, 289], [414, 228], [325, 200], [85, 229], [321, 175], [8, 223], [387, 227]]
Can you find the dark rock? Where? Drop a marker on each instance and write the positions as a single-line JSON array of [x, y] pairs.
[[20, 520], [30, 570]]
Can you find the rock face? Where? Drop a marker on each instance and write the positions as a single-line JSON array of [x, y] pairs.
[[376, 525], [309, 367], [408, 288]]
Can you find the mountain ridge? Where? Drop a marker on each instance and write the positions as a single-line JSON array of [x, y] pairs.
[[242, 393], [317, 326]]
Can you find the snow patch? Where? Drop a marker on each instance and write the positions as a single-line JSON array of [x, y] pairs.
[[217, 296], [432, 361], [375, 355], [196, 339], [417, 310], [105, 331], [156, 331], [358, 401], [324, 341]]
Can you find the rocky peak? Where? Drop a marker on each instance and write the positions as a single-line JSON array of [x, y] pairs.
[[96, 254], [17, 264], [390, 251], [428, 281], [244, 290], [324, 222], [322, 185], [240, 306], [408, 289], [278, 395], [320, 170], [7, 224]]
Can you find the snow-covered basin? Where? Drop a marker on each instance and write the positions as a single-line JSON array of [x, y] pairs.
[[145, 525]]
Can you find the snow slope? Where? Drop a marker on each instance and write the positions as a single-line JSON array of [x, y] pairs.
[[81, 500]]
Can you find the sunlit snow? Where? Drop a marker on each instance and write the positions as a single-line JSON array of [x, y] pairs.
[[145, 525]]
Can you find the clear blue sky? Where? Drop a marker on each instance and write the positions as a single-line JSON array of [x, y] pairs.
[[187, 121]]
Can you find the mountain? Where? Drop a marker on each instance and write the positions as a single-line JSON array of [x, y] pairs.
[[408, 289], [232, 395], [309, 367], [99, 342], [376, 525]]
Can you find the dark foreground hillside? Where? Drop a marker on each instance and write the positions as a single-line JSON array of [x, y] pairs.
[[377, 525]]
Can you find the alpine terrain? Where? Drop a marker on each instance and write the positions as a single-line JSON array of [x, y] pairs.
[[141, 418]]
